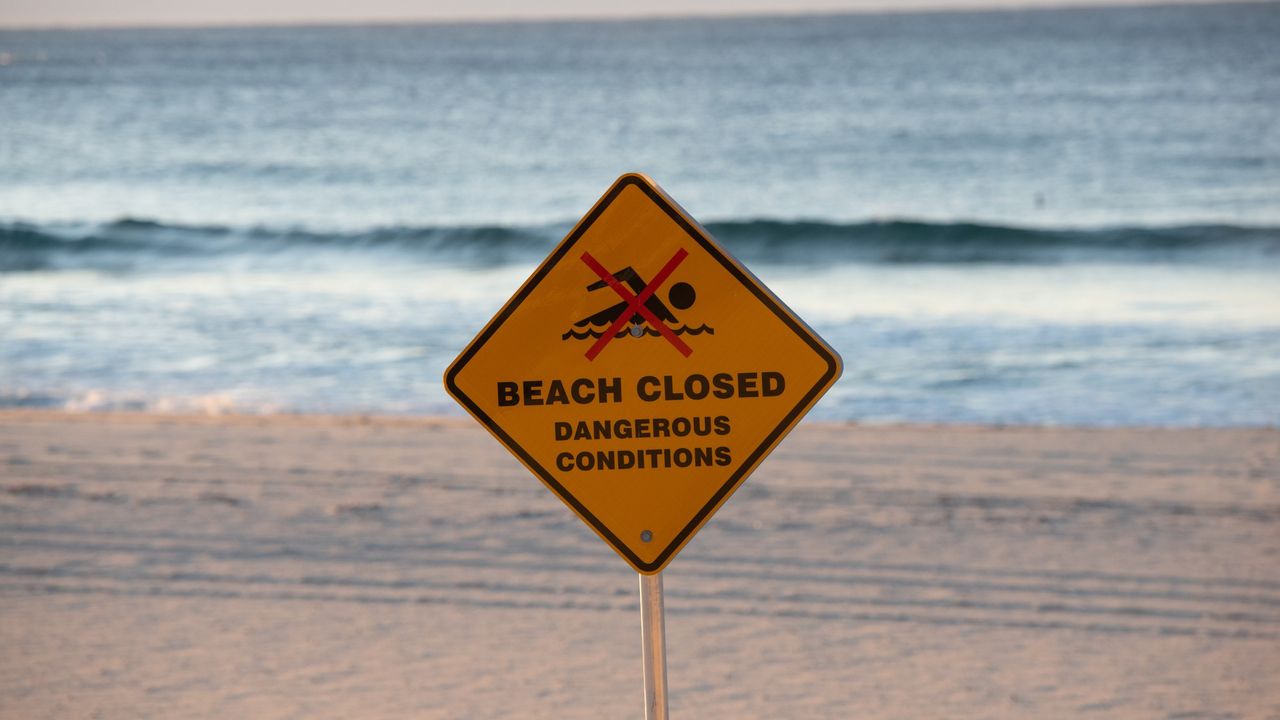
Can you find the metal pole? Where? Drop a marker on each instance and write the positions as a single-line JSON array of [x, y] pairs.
[[653, 636]]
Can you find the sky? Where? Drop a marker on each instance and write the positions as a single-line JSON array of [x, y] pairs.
[[96, 13]]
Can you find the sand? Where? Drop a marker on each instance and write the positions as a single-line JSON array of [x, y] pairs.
[[313, 567]]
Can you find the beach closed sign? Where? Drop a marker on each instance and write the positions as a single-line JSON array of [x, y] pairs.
[[642, 373]]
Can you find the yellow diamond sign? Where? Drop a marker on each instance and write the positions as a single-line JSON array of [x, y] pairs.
[[642, 373]]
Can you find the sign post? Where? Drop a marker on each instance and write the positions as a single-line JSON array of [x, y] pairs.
[[641, 373], [653, 638]]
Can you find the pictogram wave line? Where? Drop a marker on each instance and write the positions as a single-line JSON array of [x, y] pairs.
[[681, 330]]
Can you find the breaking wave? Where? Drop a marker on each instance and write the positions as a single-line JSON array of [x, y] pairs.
[[133, 244]]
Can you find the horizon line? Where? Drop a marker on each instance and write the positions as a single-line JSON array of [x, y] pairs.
[[929, 7]]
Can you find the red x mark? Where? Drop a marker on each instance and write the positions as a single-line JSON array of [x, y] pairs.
[[635, 303]]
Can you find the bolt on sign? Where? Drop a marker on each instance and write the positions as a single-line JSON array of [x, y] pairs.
[[642, 373]]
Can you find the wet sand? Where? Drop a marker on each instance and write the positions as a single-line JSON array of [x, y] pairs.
[[339, 567]]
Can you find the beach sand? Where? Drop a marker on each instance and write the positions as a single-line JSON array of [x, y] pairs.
[[350, 567]]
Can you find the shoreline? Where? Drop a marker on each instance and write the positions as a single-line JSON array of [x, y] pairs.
[[363, 418]]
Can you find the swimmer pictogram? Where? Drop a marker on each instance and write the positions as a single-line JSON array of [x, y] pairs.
[[640, 305]]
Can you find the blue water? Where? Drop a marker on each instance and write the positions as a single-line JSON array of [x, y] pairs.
[[1058, 217]]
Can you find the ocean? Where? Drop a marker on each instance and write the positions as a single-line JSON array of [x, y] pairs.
[[1051, 217]]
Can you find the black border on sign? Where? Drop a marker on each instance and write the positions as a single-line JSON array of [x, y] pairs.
[[749, 281]]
